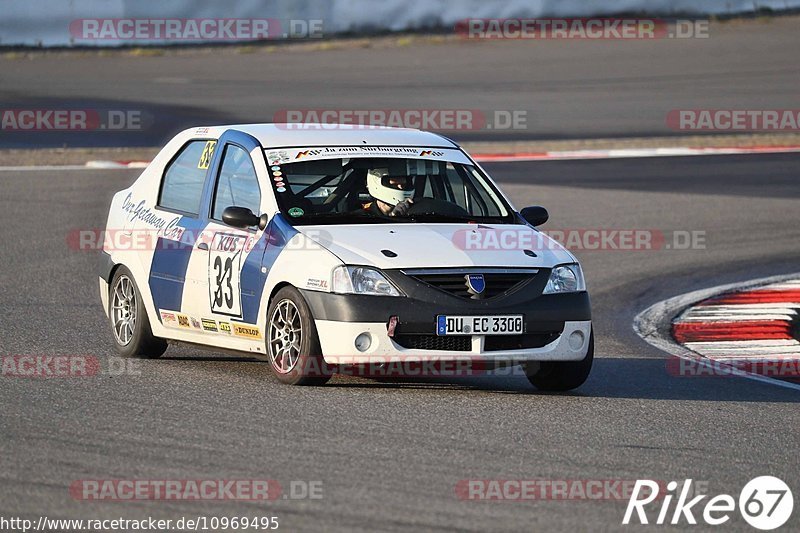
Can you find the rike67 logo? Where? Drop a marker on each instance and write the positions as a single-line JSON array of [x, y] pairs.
[[765, 503]]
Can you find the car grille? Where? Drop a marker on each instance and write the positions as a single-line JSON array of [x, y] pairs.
[[454, 281], [434, 342], [463, 343], [496, 343]]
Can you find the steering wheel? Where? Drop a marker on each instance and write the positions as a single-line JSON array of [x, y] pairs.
[[433, 206]]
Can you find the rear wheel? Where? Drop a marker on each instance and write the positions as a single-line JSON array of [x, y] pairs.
[[292, 341], [129, 322], [559, 376]]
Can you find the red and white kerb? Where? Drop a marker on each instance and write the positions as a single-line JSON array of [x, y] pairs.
[[749, 325]]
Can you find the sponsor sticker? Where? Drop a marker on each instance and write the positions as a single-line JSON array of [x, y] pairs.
[[169, 319], [209, 325], [196, 323], [139, 211], [224, 269], [276, 158], [332, 152], [205, 157], [183, 321], [225, 327], [296, 212], [314, 283], [251, 332]]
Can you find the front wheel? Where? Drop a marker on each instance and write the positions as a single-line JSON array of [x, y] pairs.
[[292, 342], [559, 376], [129, 322]]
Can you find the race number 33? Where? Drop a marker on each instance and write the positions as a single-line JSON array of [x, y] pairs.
[[224, 266]]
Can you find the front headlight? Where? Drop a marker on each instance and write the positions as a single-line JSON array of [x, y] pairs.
[[565, 278], [361, 280]]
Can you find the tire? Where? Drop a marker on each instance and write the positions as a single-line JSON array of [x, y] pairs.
[[130, 325], [560, 376], [292, 341]]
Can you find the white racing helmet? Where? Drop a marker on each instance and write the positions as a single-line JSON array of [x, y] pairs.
[[389, 189]]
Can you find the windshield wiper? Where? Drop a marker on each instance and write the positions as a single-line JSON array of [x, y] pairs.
[[438, 217]]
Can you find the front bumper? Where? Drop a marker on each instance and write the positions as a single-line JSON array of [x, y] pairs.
[[557, 326], [337, 340]]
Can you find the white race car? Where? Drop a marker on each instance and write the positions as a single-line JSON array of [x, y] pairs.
[[319, 246]]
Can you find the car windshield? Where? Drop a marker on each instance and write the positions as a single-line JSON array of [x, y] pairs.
[[368, 190]]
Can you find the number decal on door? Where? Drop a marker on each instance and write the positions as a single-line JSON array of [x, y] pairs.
[[224, 291], [205, 157], [224, 267]]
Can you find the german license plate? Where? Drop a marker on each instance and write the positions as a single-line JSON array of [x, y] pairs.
[[479, 325]]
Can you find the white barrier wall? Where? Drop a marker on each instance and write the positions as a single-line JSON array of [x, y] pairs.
[[47, 22]]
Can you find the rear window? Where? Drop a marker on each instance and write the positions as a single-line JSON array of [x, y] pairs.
[[182, 186]]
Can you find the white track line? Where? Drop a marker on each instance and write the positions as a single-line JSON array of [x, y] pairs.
[[117, 164], [654, 324], [789, 285], [733, 349], [755, 307], [730, 317], [41, 168], [626, 153], [632, 153], [89, 165]]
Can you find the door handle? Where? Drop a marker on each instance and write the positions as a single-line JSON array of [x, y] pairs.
[[202, 246]]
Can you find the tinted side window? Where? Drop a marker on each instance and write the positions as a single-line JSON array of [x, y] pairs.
[[182, 186], [237, 183], [464, 189]]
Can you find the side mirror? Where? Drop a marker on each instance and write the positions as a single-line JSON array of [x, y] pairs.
[[535, 215], [241, 217]]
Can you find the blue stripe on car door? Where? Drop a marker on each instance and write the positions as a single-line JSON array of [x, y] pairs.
[[170, 261], [277, 233]]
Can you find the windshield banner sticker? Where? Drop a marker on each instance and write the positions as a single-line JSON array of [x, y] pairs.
[[279, 157]]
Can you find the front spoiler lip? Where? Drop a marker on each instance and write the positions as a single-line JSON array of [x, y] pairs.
[[337, 347], [543, 313]]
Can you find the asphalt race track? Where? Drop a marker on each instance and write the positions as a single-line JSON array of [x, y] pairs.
[[568, 88], [392, 453]]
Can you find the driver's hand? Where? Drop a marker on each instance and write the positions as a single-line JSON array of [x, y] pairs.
[[401, 209]]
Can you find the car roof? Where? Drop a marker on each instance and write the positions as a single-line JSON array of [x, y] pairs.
[[281, 135]]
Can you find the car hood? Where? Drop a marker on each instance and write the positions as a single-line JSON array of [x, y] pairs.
[[439, 245]]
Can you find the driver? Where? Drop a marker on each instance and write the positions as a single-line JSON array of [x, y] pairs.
[[393, 194]]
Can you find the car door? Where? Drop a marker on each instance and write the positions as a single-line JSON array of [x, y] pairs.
[[230, 263], [180, 204]]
